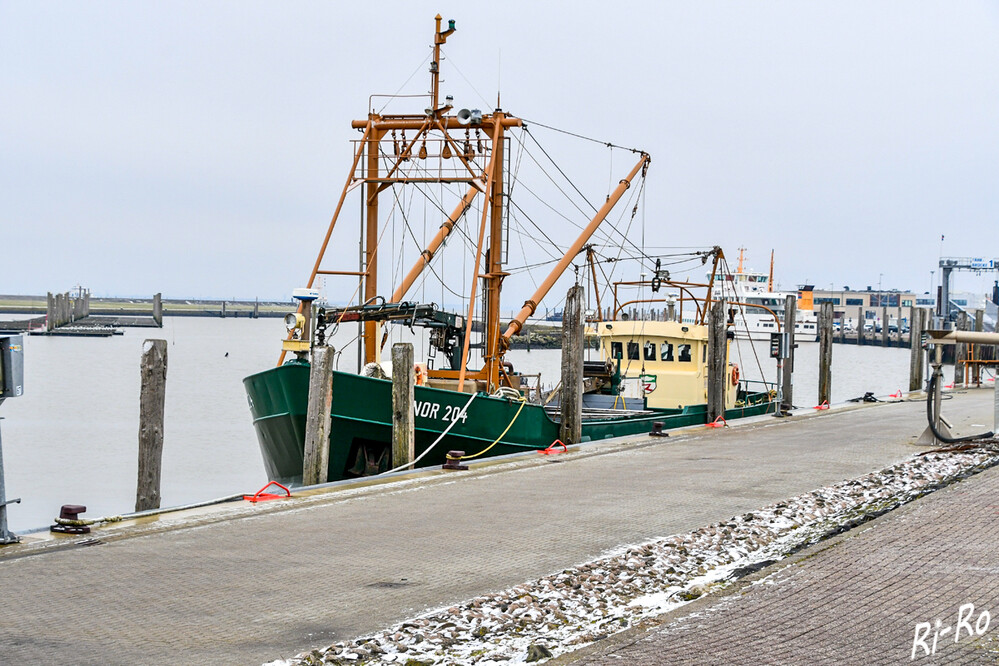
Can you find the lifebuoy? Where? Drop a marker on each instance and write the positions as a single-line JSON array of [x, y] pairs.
[[421, 374], [735, 375]]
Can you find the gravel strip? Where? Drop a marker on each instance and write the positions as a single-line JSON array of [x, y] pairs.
[[567, 610]]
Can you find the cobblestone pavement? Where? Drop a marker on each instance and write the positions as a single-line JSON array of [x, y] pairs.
[[857, 600], [275, 583]]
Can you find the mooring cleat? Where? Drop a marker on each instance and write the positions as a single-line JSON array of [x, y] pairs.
[[454, 461], [71, 512], [657, 430]]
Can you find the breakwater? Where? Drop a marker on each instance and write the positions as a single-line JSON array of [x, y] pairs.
[[68, 307]]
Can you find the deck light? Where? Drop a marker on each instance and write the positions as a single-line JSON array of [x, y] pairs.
[[293, 321]]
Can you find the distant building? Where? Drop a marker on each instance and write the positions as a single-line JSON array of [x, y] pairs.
[[851, 307]]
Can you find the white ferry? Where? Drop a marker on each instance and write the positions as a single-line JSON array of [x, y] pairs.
[[763, 307]]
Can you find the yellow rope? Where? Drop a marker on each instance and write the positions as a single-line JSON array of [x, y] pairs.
[[496, 441]]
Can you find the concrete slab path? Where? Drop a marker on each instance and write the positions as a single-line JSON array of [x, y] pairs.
[[271, 582]]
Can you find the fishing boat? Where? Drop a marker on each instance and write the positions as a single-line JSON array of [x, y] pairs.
[[646, 372]]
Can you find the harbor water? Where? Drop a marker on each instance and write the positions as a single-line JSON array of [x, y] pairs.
[[72, 437]]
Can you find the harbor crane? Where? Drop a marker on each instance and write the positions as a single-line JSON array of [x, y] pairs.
[[949, 264]]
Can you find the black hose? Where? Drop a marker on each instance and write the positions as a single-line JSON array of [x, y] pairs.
[[930, 392]]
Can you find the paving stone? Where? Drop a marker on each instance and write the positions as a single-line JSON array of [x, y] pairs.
[[856, 602], [272, 585]]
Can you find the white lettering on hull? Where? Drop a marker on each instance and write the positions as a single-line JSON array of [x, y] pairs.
[[424, 409]]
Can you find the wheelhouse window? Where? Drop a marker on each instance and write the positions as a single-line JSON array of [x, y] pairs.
[[617, 350], [667, 352], [649, 351], [632, 351], [684, 351]]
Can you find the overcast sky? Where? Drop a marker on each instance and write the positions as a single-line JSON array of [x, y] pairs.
[[198, 148]]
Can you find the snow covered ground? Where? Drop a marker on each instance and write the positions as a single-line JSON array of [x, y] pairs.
[[564, 611]]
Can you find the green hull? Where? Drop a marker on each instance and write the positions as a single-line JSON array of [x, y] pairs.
[[361, 426]]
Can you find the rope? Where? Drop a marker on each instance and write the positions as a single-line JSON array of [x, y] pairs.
[[502, 434], [83, 523], [436, 441]]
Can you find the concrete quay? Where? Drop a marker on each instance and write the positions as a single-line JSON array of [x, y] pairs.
[[244, 584]]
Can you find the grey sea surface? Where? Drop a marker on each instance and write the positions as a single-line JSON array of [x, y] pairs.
[[72, 437]]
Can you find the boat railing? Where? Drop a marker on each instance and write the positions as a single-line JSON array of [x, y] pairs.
[[439, 159], [684, 289], [757, 385], [530, 386]]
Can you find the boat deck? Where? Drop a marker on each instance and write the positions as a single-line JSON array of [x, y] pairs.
[[600, 414]]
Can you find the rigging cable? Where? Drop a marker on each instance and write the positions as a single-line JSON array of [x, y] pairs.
[[404, 83], [413, 236], [624, 236], [580, 136]]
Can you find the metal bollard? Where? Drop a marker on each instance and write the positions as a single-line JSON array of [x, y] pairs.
[[6, 536]]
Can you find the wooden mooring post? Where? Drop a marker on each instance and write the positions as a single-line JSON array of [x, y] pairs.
[[152, 399], [976, 350], [787, 398], [916, 325], [960, 350], [403, 415], [316, 456], [571, 397], [158, 309], [825, 353], [717, 361], [885, 335]]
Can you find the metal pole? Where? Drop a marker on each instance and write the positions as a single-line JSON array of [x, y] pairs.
[[787, 402], [5, 535], [937, 390]]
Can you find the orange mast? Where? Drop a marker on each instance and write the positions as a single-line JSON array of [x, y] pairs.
[[490, 181]]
